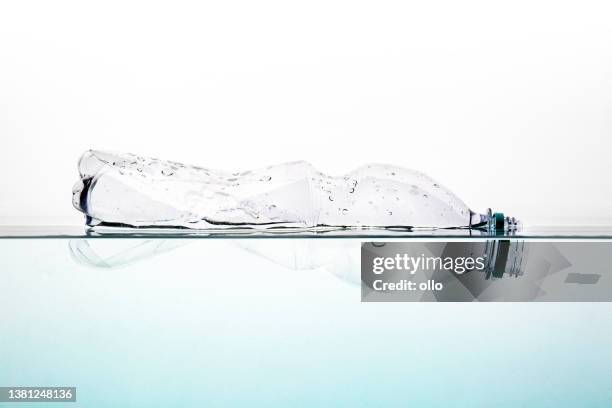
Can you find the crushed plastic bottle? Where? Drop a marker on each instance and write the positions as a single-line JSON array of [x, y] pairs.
[[133, 191]]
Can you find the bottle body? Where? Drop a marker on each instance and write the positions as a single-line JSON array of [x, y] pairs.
[[129, 190], [377, 195]]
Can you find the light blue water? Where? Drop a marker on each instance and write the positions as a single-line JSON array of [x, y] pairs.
[[218, 323]]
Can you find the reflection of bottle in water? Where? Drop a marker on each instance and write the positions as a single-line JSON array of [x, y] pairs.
[[124, 189], [344, 259]]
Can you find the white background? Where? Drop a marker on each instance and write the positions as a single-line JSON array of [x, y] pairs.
[[509, 104]]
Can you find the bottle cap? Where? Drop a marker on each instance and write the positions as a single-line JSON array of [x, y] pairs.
[[499, 222]]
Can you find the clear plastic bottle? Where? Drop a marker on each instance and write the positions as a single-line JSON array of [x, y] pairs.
[[129, 190]]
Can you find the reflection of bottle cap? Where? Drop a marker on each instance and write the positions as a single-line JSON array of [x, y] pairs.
[[505, 257]]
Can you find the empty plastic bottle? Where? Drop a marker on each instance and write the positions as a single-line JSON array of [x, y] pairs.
[[129, 190]]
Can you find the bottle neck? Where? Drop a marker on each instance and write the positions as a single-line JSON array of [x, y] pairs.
[[494, 223]]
